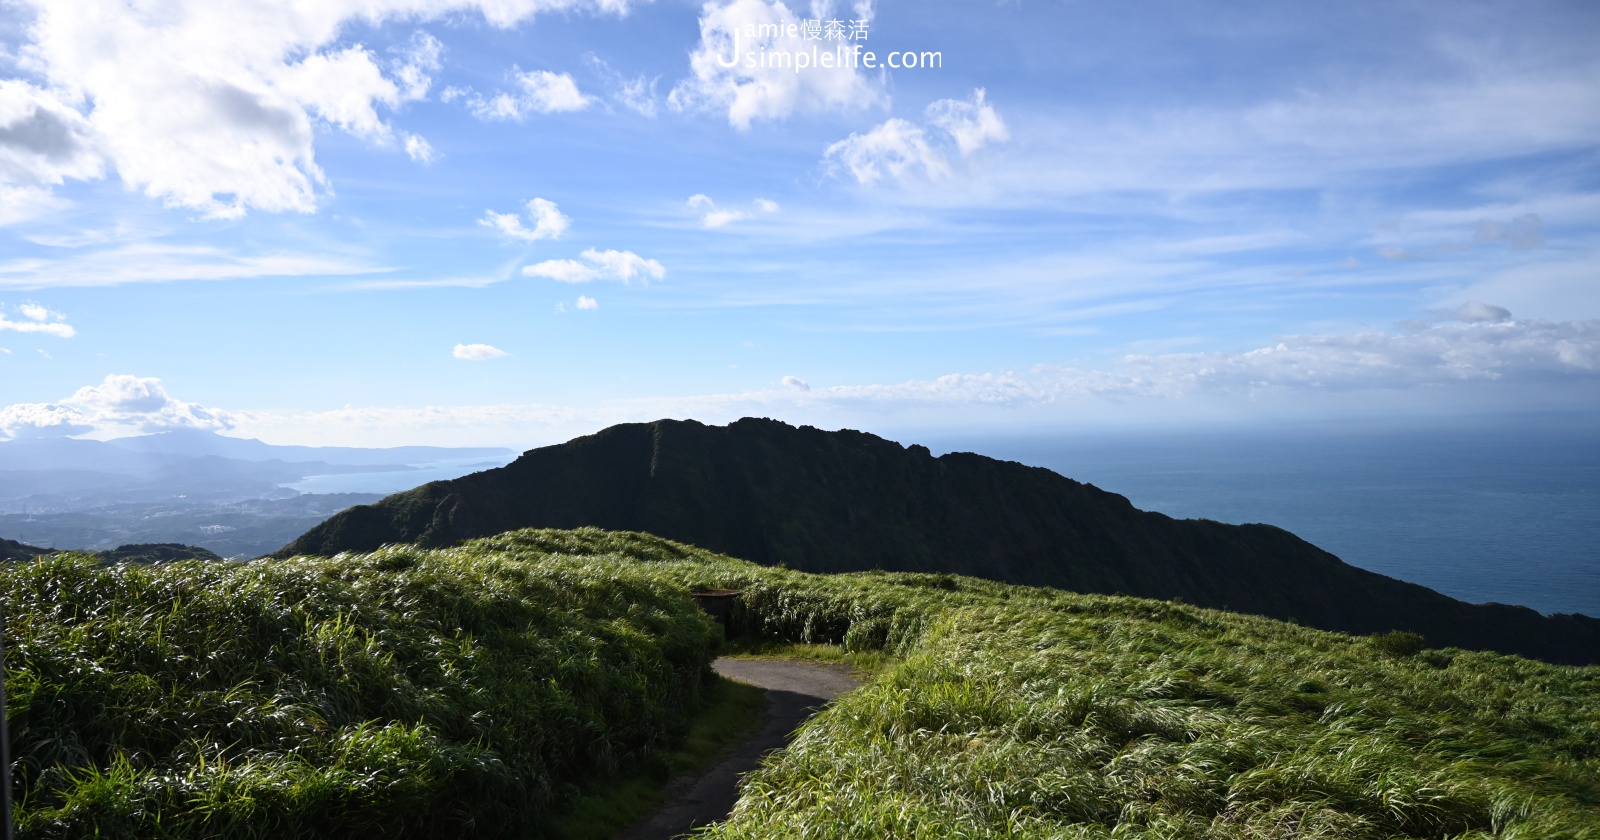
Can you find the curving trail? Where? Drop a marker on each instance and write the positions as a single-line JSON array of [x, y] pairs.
[[795, 690]]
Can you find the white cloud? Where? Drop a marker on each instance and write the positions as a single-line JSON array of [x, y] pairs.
[[119, 403], [548, 222], [896, 150], [38, 319], [477, 352], [599, 265], [420, 150], [586, 302], [19, 204], [716, 217], [1473, 359], [719, 218], [415, 63], [750, 94], [639, 95], [796, 383], [900, 150], [210, 104], [159, 263], [43, 142], [973, 124], [538, 91]]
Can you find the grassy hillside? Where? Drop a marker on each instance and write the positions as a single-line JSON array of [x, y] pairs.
[[420, 694], [847, 501], [413, 690]]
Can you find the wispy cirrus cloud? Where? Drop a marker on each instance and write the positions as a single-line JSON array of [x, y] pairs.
[[153, 262], [477, 352]]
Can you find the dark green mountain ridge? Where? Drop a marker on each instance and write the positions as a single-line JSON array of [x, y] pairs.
[[823, 501], [129, 553]]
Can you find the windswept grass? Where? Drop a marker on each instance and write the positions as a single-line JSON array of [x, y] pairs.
[[1024, 712], [403, 693], [466, 691]]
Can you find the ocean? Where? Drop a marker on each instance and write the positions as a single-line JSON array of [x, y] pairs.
[[1507, 515]]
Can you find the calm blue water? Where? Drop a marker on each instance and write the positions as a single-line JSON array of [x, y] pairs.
[[396, 481], [1509, 516]]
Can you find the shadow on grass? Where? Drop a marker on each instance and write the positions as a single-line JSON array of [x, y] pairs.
[[733, 712]]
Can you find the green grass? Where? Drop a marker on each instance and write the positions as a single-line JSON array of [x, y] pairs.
[[864, 664], [733, 711], [403, 693], [485, 688]]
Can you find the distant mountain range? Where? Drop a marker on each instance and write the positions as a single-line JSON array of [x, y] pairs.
[[197, 487], [842, 501], [68, 474]]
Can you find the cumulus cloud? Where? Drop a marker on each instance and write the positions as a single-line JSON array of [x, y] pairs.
[[796, 383], [586, 302], [44, 140], [537, 92], [548, 222], [900, 150], [119, 403], [599, 265], [38, 319], [212, 104], [477, 352], [721, 80]]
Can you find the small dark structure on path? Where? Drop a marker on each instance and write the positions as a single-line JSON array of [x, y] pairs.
[[718, 603]]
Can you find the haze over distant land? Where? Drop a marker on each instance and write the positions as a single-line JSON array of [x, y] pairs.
[[195, 487]]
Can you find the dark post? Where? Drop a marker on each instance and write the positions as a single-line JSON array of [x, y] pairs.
[[5, 736]]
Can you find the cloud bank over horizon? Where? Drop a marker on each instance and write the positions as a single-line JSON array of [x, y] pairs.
[[1365, 371]]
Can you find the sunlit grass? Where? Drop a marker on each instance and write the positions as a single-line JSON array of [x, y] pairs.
[[480, 689]]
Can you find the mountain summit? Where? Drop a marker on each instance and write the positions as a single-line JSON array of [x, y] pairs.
[[823, 501]]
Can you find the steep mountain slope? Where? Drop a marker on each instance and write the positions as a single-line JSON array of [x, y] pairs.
[[841, 501]]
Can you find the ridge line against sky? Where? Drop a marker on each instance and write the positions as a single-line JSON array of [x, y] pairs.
[[501, 221]]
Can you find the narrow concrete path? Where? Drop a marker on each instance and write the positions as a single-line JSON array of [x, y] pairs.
[[795, 690]]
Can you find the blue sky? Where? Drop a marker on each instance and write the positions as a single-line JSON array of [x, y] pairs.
[[511, 221]]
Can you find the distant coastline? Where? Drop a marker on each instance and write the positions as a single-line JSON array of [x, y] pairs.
[[1479, 515]]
